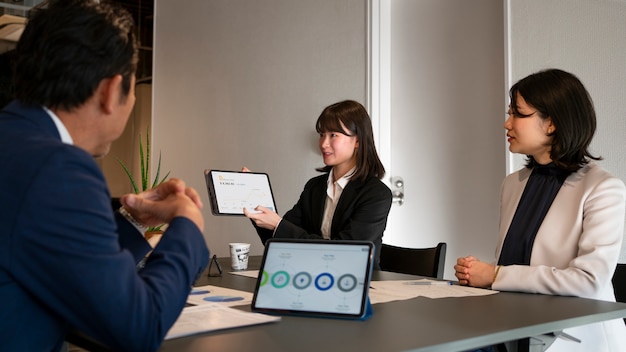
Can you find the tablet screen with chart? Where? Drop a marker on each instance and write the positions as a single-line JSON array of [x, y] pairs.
[[314, 278], [231, 191]]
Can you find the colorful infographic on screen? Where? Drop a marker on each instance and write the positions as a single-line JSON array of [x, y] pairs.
[[323, 278]]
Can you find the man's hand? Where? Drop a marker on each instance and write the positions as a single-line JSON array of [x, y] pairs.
[[165, 202]]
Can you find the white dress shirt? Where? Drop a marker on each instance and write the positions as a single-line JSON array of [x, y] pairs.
[[65, 135], [333, 193]]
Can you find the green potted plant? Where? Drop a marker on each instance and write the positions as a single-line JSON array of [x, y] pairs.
[[145, 178]]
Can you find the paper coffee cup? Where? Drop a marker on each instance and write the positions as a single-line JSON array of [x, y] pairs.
[[239, 255]]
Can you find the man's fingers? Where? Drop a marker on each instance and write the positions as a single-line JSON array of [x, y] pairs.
[[128, 201], [194, 196], [135, 202], [164, 189]]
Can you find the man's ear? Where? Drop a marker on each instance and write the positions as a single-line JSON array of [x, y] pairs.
[[109, 91]]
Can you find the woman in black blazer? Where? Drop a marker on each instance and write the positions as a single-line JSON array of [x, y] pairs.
[[348, 201]]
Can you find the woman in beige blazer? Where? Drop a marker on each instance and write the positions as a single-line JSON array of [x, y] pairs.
[[562, 216]]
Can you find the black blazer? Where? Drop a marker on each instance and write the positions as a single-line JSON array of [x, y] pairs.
[[361, 213]]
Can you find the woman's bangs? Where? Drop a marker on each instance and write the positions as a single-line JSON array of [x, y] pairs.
[[329, 123]]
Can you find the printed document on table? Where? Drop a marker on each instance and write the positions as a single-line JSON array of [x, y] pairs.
[[214, 294], [397, 290], [248, 273], [213, 317]]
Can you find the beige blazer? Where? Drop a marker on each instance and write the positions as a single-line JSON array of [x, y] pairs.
[[575, 251]]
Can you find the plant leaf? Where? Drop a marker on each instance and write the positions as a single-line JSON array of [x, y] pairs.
[[130, 176], [164, 177], [144, 183], [145, 167], [158, 171], [147, 175]]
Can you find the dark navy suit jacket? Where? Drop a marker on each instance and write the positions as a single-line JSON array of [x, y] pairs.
[[361, 213], [67, 260]]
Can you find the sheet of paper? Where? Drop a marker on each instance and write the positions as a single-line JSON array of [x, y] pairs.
[[248, 273], [213, 317], [214, 294], [395, 290]]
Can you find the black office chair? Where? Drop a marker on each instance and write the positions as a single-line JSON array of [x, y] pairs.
[[416, 261], [619, 283]]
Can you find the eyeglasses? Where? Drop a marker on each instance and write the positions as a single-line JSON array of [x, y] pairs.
[[510, 113]]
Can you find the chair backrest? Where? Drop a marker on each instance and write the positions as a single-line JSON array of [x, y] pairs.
[[619, 283], [416, 261]]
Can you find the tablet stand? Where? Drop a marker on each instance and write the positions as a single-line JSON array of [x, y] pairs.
[[217, 265], [369, 310]]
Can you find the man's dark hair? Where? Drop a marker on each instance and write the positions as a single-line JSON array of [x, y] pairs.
[[7, 60], [67, 49]]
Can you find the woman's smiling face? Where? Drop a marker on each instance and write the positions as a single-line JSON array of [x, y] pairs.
[[339, 150]]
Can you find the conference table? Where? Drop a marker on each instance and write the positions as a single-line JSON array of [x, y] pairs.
[[419, 324]]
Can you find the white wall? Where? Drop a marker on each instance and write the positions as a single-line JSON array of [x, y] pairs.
[[242, 82], [587, 38], [446, 96]]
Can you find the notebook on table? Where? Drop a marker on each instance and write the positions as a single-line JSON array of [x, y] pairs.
[[318, 278]]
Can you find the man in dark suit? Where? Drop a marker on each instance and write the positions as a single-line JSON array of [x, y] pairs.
[[67, 261]]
